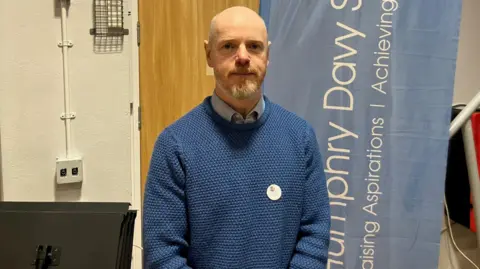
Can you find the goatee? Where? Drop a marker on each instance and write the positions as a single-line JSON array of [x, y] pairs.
[[245, 90]]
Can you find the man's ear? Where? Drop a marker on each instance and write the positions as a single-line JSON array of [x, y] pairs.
[[268, 52], [207, 52]]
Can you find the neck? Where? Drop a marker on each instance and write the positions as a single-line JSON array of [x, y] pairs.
[[242, 106]]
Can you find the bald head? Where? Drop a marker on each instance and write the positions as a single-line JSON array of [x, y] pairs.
[[233, 17], [237, 50]]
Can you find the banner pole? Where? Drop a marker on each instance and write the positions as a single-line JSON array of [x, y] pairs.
[[464, 115]]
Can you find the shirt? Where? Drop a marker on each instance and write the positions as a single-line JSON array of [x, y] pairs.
[[228, 113]]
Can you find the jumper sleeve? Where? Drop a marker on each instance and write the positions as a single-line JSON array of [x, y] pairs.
[[164, 213], [314, 236]]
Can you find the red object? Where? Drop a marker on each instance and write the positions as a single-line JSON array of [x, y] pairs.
[[476, 138]]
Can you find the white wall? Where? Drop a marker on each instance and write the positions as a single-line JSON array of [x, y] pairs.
[[31, 102], [467, 78]]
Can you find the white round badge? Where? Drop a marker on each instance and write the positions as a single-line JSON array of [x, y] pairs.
[[274, 192]]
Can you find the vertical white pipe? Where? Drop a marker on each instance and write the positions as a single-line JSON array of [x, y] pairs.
[[66, 85]]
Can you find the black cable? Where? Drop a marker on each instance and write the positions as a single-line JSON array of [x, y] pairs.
[[48, 258], [44, 258], [39, 264]]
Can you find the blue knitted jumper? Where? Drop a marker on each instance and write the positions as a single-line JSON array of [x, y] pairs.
[[206, 204]]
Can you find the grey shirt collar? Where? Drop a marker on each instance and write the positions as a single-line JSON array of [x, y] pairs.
[[228, 113]]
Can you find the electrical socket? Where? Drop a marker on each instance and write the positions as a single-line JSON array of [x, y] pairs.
[[69, 170]]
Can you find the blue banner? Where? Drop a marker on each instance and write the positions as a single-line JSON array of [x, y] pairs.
[[375, 79]]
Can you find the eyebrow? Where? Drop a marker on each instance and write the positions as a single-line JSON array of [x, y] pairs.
[[234, 40]]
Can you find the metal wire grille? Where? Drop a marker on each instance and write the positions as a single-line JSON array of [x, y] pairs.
[[108, 28]]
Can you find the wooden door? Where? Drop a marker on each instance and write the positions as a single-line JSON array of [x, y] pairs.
[[174, 76]]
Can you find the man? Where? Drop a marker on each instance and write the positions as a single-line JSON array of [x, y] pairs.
[[238, 182]]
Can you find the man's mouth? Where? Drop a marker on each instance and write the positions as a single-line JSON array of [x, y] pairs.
[[243, 74]]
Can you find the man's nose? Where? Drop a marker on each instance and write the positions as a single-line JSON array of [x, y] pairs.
[[243, 57]]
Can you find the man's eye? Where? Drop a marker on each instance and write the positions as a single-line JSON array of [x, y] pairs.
[[255, 47], [228, 46]]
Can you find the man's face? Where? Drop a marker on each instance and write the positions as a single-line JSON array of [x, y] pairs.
[[238, 54]]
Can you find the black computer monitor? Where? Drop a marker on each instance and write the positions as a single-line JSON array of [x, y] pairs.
[[66, 235]]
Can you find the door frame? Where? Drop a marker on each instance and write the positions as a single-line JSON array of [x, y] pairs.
[[136, 200]]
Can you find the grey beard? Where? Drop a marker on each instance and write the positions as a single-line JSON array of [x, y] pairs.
[[245, 90]]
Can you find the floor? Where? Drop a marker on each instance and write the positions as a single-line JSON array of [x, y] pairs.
[[467, 242]]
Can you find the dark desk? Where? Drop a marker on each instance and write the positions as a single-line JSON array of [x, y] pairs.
[[66, 235]]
